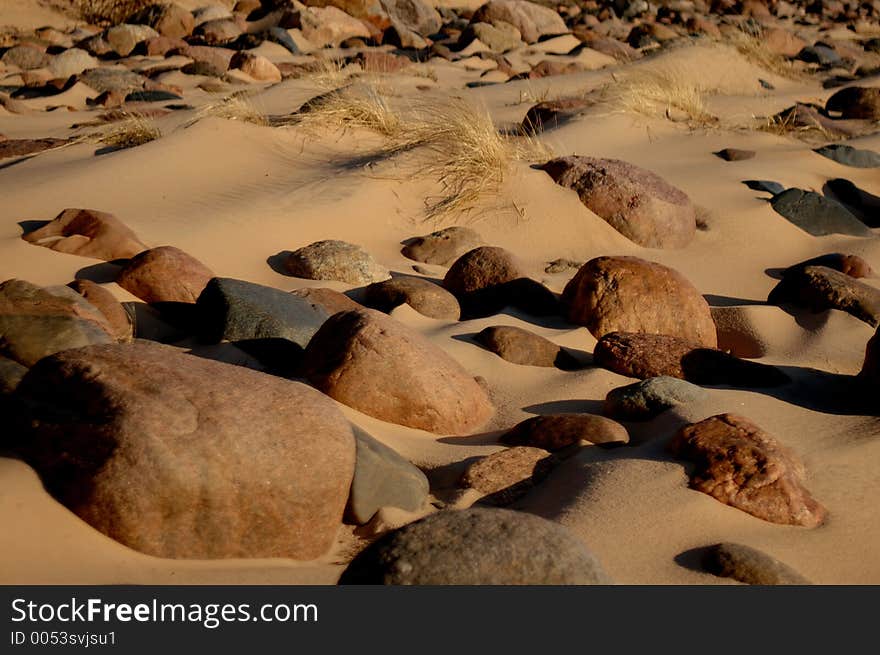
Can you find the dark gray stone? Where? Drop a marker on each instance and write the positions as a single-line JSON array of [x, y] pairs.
[[817, 214], [849, 156], [773, 188], [477, 546], [646, 399], [151, 96], [749, 565], [282, 37], [820, 54]]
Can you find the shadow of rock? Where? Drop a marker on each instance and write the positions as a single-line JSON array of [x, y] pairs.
[[864, 206], [31, 226], [566, 407], [276, 262], [102, 273], [729, 301], [692, 559]]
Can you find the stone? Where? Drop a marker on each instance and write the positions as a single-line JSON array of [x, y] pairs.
[[330, 300], [220, 31], [819, 288], [218, 59], [550, 68], [165, 274], [168, 19], [26, 57], [644, 400], [477, 546], [782, 42], [369, 361], [234, 309], [520, 346], [820, 54], [71, 62], [511, 471], [382, 478], [416, 15], [211, 12], [330, 26], [11, 373], [550, 114], [481, 269], [739, 464], [335, 260], [558, 431], [152, 96], [849, 156], [652, 355], [636, 202], [851, 265], [87, 233], [628, 294], [182, 457], [399, 36], [735, 154], [257, 66], [533, 21], [856, 102], [112, 79], [501, 37], [871, 366], [36, 322], [443, 246], [369, 11], [422, 295], [24, 147], [121, 327], [816, 214], [124, 38], [749, 565]]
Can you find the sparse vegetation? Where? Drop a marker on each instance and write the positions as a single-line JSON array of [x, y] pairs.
[[112, 12], [133, 131], [362, 106], [752, 46], [661, 91], [237, 107]]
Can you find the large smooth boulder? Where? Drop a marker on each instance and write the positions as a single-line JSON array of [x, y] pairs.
[[106, 303], [819, 288], [477, 547], [165, 274], [422, 295], [443, 246], [369, 361], [178, 456], [636, 202], [739, 464], [519, 346], [533, 21], [644, 400], [628, 294], [87, 233]]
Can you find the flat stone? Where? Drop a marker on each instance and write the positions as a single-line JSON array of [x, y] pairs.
[[557, 431], [520, 346], [849, 156], [818, 215], [749, 565], [443, 246], [87, 233]]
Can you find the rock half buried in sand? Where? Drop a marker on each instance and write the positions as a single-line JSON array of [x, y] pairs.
[[106, 303], [443, 246], [550, 114], [856, 102], [749, 565], [740, 465], [168, 19], [422, 295], [557, 431], [735, 154], [165, 274], [87, 233], [531, 20], [234, 309], [851, 265], [520, 346], [22, 147], [644, 400], [382, 478], [369, 361], [629, 294], [819, 288], [335, 260], [849, 156], [477, 546], [331, 300], [817, 215], [509, 473], [178, 456], [36, 321], [653, 355], [639, 204]]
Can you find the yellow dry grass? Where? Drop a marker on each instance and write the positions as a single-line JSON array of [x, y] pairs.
[[133, 131], [661, 91], [237, 107]]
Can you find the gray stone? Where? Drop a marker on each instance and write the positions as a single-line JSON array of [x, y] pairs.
[[646, 399], [818, 215], [335, 260], [849, 156], [477, 546], [71, 62], [112, 79], [749, 565]]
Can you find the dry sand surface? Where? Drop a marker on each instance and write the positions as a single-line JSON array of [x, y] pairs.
[[233, 194]]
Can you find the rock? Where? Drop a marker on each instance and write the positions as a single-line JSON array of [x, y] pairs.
[[765, 186], [871, 367], [211, 12], [182, 457], [382, 478], [628, 294], [652, 355], [520, 346], [644, 400], [735, 154], [740, 465], [234, 309], [442, 247], [36, 322], [550, 68], [124, 38], [152, 96], [71, 62], [403, 38], [330, 300], [533, 21], [819, 288], [851, 265], [498, 38], [812, 117], [168, 19], [639, 204], [335, 260], [112, 79], [370, 362], [820, 54], [818, 215], [246, 6], [24, 147], [257, 66], [220, 31], [782, 42], [558, 431], [509, 473], [477, 546], [550, 114], [369, 11], [749, 565], [329, 26], [481, 269], [856, 102], [11, 373], [217, 59], [422, 295], [416, 15], [165, 274], [849, 156], [87, 233], [26, 57], [120, 324]]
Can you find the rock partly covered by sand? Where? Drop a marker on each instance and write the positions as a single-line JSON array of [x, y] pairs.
[[856, 102], [167, 18], [424, 296], [646, 399], [740, 465], [871, 367], [519, 346], [477, 546], [443, 246], [165, 274], [368, 361], [819, 288], [557, 431], [335, 260], [177, 456], [628, 294], [531, 20], [511, 471], [117, 318], [749, 565], [87, 233], [636, 202]]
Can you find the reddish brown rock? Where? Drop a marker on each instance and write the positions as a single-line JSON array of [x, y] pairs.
[[117, 318], [162, 45], [520, 346], [819, 288], [369, 11], [443, 246], [87, 233], [257, 66], [858, 102], [182, 457], [482, 268], [628, 294], [533, 21], [422, 295], [550, 114], [509, 473], [557, 431], [782, 42], [368, 361], [168, 19], [851, 265], [165, 274], [216, 58], [650, 355], [220, 31], [552, 67], [636, 202], [740, 465], [331, 300]]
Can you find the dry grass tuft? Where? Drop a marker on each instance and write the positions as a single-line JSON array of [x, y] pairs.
[[133, 131], [663, 92], [752, 46], [237, 107], [788, 123], [110, 12], [330, 74], [363, 106]]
